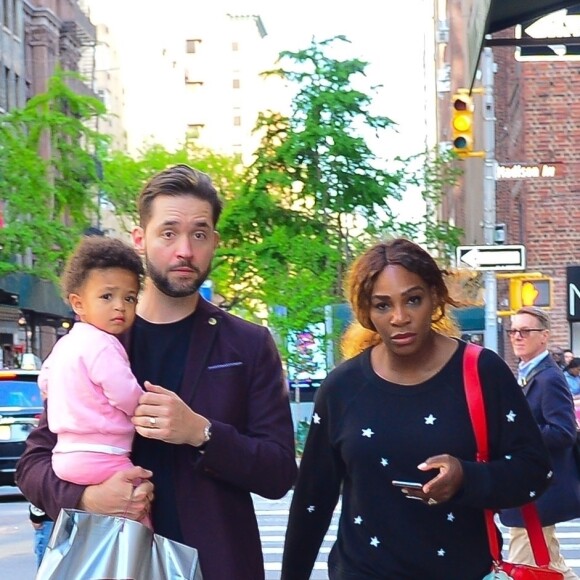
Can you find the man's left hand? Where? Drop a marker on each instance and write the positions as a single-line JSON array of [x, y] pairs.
[[161, 414]]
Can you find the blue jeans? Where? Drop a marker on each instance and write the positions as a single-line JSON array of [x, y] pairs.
[[41, 536]]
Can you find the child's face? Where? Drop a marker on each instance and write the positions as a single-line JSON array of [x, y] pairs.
[[107, 299]]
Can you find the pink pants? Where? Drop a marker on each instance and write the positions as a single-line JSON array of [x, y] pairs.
[[90, 468]]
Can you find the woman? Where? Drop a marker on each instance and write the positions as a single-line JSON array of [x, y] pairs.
[[397, 411]]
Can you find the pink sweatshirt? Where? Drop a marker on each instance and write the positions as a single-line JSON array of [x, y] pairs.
[[92, 393]]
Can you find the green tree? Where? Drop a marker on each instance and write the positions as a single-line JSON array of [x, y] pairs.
[[310, 200], [47, 177], [310, 194], [124, 175], [431, 173]]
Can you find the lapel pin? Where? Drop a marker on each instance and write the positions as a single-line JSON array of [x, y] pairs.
[[212, 321]]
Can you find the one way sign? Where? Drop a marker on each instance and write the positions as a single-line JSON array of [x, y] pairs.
[[491, 257]]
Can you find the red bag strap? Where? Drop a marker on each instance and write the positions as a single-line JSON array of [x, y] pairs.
[[474, 396]]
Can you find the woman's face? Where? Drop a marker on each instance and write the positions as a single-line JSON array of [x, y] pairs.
[[402, 306]]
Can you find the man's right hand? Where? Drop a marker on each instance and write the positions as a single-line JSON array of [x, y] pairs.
[[127, 493]]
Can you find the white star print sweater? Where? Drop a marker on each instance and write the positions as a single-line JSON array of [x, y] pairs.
[[367, 431]]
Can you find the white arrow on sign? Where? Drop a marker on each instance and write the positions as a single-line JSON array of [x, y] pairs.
[[558, 24], [492, 257]]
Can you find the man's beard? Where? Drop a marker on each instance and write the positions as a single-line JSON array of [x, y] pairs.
[[173, 290]]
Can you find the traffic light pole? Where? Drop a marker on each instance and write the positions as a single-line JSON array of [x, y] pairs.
[[490, 281]]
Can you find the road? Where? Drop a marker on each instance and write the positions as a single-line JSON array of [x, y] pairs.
[[17, 560]]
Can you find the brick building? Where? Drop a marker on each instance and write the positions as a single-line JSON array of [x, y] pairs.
[[537, 109], [35, 37]]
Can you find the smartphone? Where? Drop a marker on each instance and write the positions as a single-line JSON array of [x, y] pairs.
[[407, 484]]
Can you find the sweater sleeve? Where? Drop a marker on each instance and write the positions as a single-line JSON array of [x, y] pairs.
[[315, 495], [519, 469], [110, 370]]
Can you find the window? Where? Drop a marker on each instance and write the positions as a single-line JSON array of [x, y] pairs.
[[17, 99], [5, 13], [8, 89], [194, 130], [237, 121], [192, 45], [236, 83], [15, 27], [235, 47], [3, 89]]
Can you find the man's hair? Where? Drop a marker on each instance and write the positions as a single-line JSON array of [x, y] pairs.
[[538, 313], [573, 364], [98, 253], [176, 181]]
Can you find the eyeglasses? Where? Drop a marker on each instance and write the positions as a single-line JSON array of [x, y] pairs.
[[523, 332]]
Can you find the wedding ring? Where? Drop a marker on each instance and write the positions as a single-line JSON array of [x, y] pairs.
[[432, 501], [152, 421]]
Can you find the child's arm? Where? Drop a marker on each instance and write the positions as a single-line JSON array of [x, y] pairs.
[[112, 372]]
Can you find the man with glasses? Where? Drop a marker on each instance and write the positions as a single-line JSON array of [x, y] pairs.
[[548, 395]]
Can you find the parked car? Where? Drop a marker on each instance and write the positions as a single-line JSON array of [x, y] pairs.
[[20, 408]]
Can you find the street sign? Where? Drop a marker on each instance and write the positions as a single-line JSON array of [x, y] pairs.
[[573, 283], [510, 171], [491, 257], [562, 24]]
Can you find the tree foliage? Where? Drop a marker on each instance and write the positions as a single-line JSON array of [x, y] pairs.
[[124, 175], [47, 177], [311, 200]]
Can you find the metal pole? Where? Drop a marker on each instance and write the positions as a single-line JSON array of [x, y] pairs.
[[490, 280]]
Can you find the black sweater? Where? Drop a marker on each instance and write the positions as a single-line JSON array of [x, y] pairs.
[[367, 431]]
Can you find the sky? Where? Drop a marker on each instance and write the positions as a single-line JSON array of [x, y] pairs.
[[391, 39], [390, 36]]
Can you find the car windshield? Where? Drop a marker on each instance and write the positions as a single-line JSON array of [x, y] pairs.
[[19, 394]]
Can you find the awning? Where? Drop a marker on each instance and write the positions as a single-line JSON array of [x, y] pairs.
[[36, 294], [507, 13]]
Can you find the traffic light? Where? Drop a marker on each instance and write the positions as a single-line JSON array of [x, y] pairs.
[[462, 124], [530, 292]]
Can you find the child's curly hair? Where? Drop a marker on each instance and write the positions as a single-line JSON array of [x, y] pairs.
[[98, 253]]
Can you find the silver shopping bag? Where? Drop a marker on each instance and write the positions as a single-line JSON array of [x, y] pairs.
[[85, 546]]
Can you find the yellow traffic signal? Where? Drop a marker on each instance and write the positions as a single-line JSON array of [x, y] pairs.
[[462, 124], [530, 292]]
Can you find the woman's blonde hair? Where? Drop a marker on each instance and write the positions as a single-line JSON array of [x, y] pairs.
[[361, 279]]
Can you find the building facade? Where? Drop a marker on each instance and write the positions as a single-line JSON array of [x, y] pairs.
[[203, 74], [537, 113], [36, 37]]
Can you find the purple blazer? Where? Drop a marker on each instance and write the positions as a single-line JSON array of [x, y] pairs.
[[233, 376]]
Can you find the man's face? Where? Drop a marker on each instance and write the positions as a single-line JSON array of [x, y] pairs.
[[532, 340], [178, 243]]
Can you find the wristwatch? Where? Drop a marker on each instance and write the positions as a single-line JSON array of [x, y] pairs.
[[206, 436]]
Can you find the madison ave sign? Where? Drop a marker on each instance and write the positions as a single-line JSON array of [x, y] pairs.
[[528, 171]]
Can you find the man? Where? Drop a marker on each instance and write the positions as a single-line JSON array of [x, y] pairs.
[[551, 403], [219, 428], [558, 356]]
